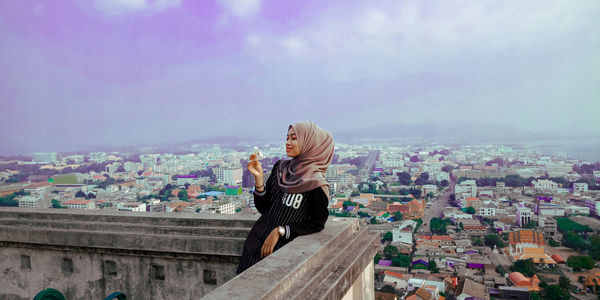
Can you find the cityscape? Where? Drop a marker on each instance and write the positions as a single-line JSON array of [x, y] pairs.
[[461, 141], [474, 221]]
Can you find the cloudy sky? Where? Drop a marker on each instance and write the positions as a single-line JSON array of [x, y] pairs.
[[75, 74]]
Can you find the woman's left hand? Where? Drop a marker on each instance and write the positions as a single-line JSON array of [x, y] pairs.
[[269, 243]]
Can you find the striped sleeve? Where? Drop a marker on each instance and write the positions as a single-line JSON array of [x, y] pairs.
[[318, 214], [262, 200]]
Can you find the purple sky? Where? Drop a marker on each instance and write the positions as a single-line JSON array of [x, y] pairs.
[[119, 72]]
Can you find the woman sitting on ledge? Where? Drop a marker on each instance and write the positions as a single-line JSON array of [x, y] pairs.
[[294, 200]]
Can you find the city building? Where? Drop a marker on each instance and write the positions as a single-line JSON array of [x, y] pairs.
[[226, 207], [523, 214], [545, 185], [594, 205], [80, 204], [230, 176], [45, 157], [524, 238], [581, 187], [33, 202]]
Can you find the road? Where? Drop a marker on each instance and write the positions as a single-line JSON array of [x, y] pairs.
[[437, 205], [364, 173]]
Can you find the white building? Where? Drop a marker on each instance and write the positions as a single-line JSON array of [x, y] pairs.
[[81, 204], [429, 188], [577, 210], [131, 206], [596, 174], [44, 157], [33, 202], [230, 176], [465, 189], [594, 205], [132, 166], [580, 187], [545, 185], [226, 207], [523, 215], [98, 156], [487, 210]]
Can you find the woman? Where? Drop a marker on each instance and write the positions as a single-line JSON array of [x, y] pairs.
[[294, 199]]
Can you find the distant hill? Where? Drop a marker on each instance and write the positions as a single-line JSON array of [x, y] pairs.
[[440, 131]]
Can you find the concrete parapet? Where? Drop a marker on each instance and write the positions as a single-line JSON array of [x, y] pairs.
[[332, 264], [90, 254]]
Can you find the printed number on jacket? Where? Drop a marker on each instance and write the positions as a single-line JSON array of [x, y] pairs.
[[293, 200]]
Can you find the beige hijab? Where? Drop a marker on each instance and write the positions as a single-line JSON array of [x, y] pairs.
[[307, 170]]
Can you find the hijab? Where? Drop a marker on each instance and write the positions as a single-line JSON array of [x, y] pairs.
[[306, 171]]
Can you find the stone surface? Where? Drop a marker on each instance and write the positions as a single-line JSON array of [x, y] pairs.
[[90, 254]]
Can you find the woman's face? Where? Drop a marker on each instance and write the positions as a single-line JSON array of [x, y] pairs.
[[291, 144]]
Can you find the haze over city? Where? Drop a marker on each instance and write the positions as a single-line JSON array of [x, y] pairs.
[[84, 74]]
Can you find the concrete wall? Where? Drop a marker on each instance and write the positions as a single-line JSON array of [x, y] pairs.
[[89, 255]]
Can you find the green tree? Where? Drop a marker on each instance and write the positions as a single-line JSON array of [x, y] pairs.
[[564, 283], [580, 262], [470, 210], [388, 236], [525, 266], [553, 243], [438, 226], [390, 251], [183, 195], [432, 266], [56, 204], [575, 241], [404, 178], [491, 239], [530, 225], [373, 220], [397, 215], [401, 260], [377, 258], [554, 292], [388, 289]]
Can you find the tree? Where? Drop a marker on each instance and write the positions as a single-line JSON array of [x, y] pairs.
[[444, 183], [398, 215], [422, 179], [401, 260], [554, 292], [470, 210], [354, 193], [390, 251], [447, 168], [530, 225], [56, 204], [432, 266], [492, 240], [404, 178], [438, 226], [80, 194], [580, 262], [388, 289], [387, 237], [377, 258], [90, 196], [183, 195], [564, 283], [553, 243], [524, 266], [575, 241]]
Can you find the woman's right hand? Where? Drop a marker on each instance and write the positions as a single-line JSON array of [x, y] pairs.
[[255, 167]]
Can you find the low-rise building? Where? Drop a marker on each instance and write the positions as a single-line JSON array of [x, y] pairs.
[[80, 204]]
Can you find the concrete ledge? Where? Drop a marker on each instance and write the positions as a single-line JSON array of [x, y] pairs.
[[135, 231], [324, 265]]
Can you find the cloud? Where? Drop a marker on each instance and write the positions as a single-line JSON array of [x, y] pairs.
[[242, 8], [118, 7]]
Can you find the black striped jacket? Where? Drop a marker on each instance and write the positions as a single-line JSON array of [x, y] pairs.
[[300, 214]]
